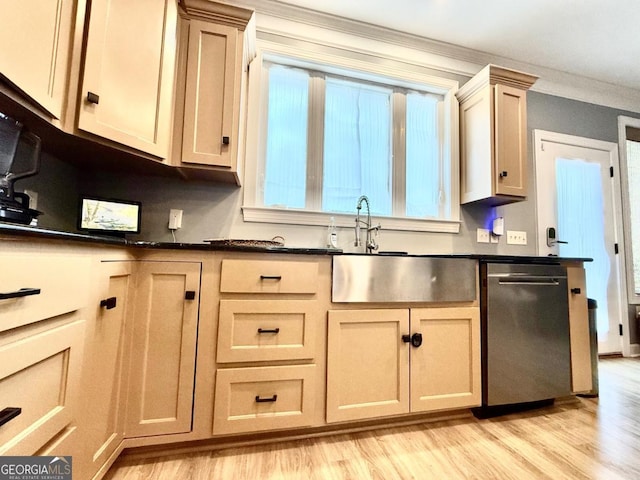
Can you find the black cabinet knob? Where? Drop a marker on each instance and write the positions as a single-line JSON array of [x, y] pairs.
[[415, 339], [93, 98], [503, 174], [108, 303], [225, 140], [576, 291]]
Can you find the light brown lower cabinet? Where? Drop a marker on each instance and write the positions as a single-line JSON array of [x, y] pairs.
[[40, 373], [581, 366], [383, 362], [264, 398], [104, 397], [163, 348]]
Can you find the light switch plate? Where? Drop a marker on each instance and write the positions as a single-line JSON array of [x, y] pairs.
[[483, 235], [515, 237]]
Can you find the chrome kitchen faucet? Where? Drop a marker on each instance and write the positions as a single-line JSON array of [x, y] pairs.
[[370, 243]]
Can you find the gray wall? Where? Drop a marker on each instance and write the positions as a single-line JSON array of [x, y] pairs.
[[213, 211]]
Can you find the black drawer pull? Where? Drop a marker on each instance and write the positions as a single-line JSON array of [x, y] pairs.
[[190, 295], [576, 291], [9, 414], [270, 277], [503, 174], [267, 330], [93, 98], [109, 303], [266, 400], [225, 140], [23, 292]]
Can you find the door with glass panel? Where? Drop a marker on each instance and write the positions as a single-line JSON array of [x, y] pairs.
[[579, 216]]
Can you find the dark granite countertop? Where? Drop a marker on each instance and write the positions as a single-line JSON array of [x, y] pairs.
[[11, 229]]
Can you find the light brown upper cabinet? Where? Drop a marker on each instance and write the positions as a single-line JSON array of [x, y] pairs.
[[115, 90], [493, 136], [37, 38], [209, 87], [129, 71]]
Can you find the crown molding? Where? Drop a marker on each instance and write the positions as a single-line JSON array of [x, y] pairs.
[[277, 18]]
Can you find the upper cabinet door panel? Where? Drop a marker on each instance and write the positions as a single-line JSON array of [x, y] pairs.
[[36, 38], [511, 140], [127, 87], [211, 104]]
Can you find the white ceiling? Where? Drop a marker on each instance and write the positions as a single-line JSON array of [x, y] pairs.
[[597, 39]]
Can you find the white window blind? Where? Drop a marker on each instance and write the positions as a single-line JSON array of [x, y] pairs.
[[363, 137]]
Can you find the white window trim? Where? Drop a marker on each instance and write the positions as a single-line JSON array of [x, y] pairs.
[[306, 217], [256, 116]]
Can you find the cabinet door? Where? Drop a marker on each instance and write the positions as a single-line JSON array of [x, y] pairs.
[[445, 369], [163, 348], [105, 365], [212, 95], [367, 364], [510, 141], [581, 361], [476, 147], [129, 73], [36, 37]]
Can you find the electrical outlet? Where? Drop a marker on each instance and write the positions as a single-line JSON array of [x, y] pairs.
[[175, 219], [483, 235], [515, 237]]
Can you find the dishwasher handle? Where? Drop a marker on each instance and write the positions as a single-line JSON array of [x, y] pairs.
[[520, 279]]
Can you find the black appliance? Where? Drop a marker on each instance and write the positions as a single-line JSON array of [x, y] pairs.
[[19, 158]]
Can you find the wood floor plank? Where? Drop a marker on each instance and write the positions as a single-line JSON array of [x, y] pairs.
[[591, 438]]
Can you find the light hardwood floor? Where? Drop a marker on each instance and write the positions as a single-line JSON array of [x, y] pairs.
[[588, 439]]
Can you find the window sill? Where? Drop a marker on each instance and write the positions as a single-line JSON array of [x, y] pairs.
[[303, 217]]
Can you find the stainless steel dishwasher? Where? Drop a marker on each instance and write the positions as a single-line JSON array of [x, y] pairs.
[[525, 333]]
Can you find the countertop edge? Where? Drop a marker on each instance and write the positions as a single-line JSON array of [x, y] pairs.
[[10, 229]]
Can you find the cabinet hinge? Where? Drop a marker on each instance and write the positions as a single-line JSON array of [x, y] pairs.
[[620, 327], [615, 248], [611, 172]]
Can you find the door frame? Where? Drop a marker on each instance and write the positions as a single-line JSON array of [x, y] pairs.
[[612, 149], [623, 122]]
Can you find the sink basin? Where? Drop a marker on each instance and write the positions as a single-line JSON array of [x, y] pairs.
[[390, 279]]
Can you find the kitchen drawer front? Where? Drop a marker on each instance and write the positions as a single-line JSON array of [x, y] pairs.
[[262, 330], [67, 442], [263, 398], [268, 276], [52, 285], [39, 374]]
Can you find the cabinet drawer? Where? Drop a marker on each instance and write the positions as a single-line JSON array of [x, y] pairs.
[[53, 285], [259, 330], [264, 398], [268, 276], [40, 375]]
